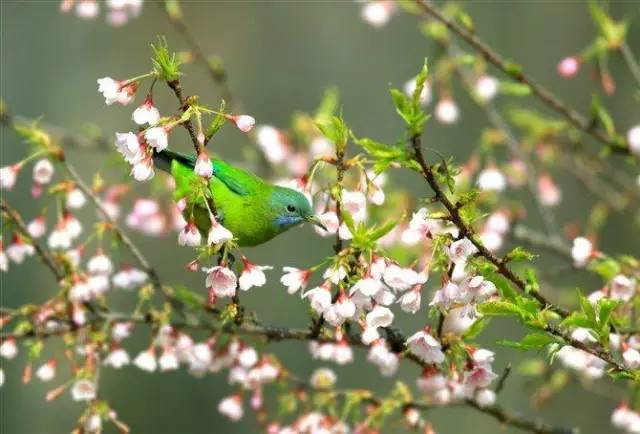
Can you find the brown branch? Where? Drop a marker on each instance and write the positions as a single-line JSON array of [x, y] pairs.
[[43, 253], [501, 266], [542, 93]]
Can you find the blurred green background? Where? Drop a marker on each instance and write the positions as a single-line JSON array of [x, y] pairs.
[[280, 56]]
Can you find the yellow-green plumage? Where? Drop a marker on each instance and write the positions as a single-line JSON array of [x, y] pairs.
[[252, 209]]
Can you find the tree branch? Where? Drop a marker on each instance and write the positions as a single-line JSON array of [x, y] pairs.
[[542, 93]]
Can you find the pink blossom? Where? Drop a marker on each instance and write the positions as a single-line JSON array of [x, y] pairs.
[[203, 167], [244, 123], [273, 143], [143, 170], [8, 348], [410, 300], [446, 111], [129, 147], [426, 347], [117, 358], [355, 203], [157, 138], [622, 288], [43, 171], [37, 227], [460, 250], [581, 251], [378, 12], [87, 9], [83, 390], [330, 221], [252, 275], [295, 279], [486, 87], [379, 316], [399, 278], [8, 176], [100, 263], [146, 113], [231, 407], [47, 371], [146, 360], [221, 280], [320, 298], [568, 67], [492, 179], [367, 286], [633, 137], [168, 360], [548, 191], [190, 236]]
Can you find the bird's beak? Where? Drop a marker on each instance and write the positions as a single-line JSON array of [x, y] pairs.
[[315, 221]]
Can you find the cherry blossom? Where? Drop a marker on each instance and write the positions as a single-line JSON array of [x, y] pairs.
[[295, 279], [426, 347], [221, 280], [146, 113], [252, 275]]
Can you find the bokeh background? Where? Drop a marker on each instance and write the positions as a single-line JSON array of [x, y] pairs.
[[280, 56]]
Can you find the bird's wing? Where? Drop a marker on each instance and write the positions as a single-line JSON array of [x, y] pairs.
[[237, 180]]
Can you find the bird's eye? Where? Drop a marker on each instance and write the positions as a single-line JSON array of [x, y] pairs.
[[291, 208]]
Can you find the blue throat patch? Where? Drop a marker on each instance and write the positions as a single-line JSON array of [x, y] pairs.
[[286, 221]]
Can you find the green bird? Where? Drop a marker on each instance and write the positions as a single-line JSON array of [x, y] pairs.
[[251, 208]]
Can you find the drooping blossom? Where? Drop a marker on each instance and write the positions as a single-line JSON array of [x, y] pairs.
[[273, 143], [203, 166], [295, 279], [190, 236], [8, 176], [231, 407], [146, 113], [460, 250], [492, 179], [568, 67], [379, 316], [446, 111], [43, 171], [581, 251], [377, 12], [157, 137], [252, 275], [244, 123], [146, 360], [486, 87], [426, 347], [83, 390], [221, 281]]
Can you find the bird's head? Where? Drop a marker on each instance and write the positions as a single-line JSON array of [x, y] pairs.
[[291, 208]]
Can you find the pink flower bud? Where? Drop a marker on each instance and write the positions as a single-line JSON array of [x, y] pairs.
[[203, 167], [244, 123], [568, 67]]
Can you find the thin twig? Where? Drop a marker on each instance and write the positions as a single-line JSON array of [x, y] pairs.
[[631, 61], [542, 93], [43, 253]]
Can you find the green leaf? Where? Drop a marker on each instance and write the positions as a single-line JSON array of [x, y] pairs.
[[476, 328], [336, 131], [188, 297], [519, 254], [499, 308], [218, 121], [165, 65], [514, 89], [602, 115], [577, 319], [607, 268], [328, 106], [530, 341]]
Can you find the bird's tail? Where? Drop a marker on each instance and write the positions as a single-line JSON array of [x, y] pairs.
[[163, 159]]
